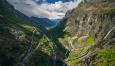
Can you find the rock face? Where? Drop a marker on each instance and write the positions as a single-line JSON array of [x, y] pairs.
[[25, 42], [95, 25], [95, 19]]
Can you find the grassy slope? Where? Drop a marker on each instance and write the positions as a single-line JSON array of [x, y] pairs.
[[16, 38], [96, 57]]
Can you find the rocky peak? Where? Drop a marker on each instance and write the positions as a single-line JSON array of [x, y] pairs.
[[88, 20], [93, 21]]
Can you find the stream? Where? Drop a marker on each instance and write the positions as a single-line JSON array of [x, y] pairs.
[[57, 46]]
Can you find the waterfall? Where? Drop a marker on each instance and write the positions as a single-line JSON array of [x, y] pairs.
[[29, 55], [54, 58], [31, 51], [80, 27], [109, 33], [64, 59], [54, 54]]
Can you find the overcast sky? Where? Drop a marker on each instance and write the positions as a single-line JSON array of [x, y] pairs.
[[52, 9]]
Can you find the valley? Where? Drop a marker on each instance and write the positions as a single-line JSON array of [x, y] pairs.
[[85, 36]]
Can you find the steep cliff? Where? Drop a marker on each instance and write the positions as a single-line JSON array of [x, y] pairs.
[[22, 43], [90, 34], [85, 37]]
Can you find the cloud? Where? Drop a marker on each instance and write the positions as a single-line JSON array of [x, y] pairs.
[[55, 10]]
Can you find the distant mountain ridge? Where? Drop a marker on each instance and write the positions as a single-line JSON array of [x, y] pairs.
[[42, 23], [24, 42]]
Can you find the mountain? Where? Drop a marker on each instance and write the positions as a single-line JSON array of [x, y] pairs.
[[84, 37], [24, 43], [90, 34], [42, 23]]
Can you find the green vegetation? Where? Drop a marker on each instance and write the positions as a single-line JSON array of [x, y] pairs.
[[86, 51], [111, 1], [65, 39], [42, 56], [47, 45], [74, 62], [40, 59], [81, 46], [90, 41], [76, 55], [16, 38], [101, 10], [19, 38], [105, 57], [105, 10]]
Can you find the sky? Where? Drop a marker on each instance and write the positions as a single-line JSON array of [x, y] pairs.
[[53, 1], [52, 9]]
